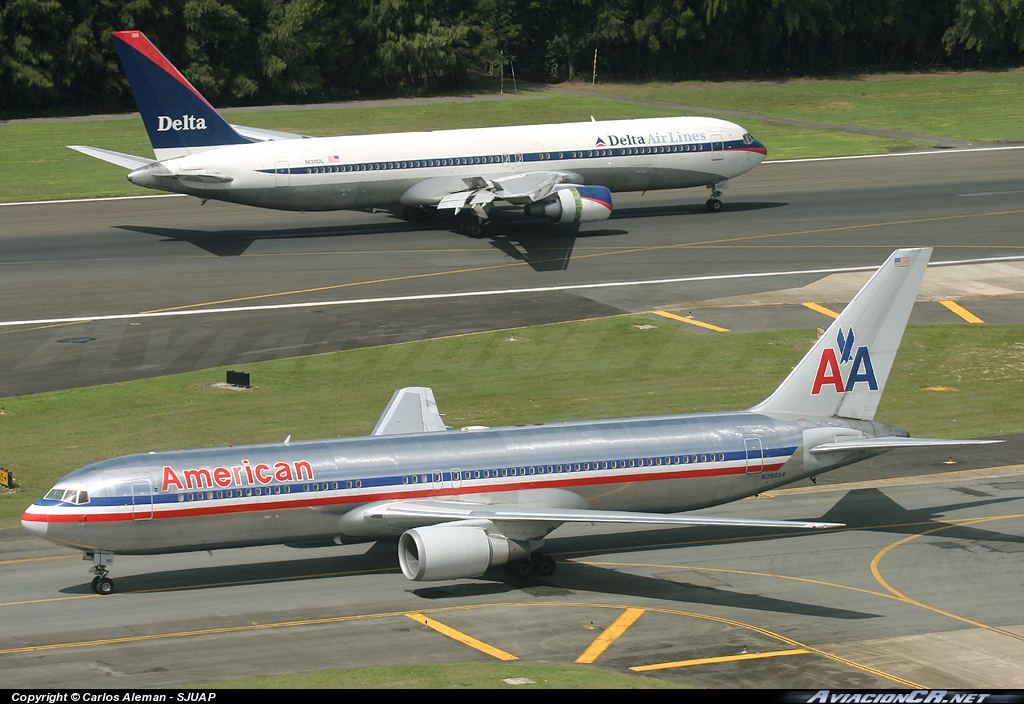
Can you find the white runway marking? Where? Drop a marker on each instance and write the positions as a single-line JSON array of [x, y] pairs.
[[886, 156], [989, 193], [94, 200], [476, 294]]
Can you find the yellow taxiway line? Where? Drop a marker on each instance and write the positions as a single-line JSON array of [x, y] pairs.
[[610, 635], [691, 321], [462, 637], [821, 309], [962, 312], [726, 658]]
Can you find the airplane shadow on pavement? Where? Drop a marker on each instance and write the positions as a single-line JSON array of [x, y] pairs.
[[538, 243], [859, 509]]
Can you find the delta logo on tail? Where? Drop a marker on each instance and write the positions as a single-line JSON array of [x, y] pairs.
[[186, 123], [830, 367]]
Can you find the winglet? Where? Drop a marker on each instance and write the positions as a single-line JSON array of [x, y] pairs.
[[178, 119], [411, 410], [845, 372]]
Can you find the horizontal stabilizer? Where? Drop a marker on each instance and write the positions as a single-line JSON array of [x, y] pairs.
[[412, 511], [127, 161], [411, 410], [892, 443], [261, 135]]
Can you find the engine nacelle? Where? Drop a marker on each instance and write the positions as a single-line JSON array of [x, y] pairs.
[[575, 204], [454, 552]]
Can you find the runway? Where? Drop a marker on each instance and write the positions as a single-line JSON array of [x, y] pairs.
[[68, 260], [911, 594]]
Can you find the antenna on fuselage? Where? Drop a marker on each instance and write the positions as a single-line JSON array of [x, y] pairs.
[[287, 439]]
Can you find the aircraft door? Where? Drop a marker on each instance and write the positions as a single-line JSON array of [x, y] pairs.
[[456, 478], [717, 147], [438, 480], [142, 501], [281, 174], [755, 455]]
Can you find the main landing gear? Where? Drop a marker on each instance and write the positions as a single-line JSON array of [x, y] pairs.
[[714, 203], [101, 583], [540, 564], [471, 225]]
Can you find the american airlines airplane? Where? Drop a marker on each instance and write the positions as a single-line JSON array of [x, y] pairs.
[[462, 501], [564, 172]]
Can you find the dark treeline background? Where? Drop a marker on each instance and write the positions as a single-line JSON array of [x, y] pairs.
[[56, 56]]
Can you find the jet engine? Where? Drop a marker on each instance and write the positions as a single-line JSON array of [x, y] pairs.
[[575, 204], [454, 552]]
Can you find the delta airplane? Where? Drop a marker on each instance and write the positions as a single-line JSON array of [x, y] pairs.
[[462, 501], [565, 172]]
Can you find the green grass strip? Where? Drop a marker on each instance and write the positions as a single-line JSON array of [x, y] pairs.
[[453, 676], [986, 107]]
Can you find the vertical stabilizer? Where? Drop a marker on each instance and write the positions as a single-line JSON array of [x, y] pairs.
[[178, 119], [845, 372]]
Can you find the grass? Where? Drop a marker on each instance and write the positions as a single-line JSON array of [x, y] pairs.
[[974, 106], [594, 369], [455, 676], [35, 163]]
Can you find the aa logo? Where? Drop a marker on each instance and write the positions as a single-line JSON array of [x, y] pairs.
[[834, 361]]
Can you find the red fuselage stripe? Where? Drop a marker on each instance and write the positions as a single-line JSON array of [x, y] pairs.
[[427, 492]]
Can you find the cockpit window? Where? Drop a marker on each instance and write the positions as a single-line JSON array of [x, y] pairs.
[[71, 496], [747, 139]]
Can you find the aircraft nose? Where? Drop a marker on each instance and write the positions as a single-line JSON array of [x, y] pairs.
[[33, 525]]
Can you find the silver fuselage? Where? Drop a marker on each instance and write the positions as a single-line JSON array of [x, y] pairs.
[[303, 491]]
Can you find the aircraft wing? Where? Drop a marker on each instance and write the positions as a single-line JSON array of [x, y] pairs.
[[127, 161], [478, 191], [892, 443], [419, 512], [261, 135], [411, 410]]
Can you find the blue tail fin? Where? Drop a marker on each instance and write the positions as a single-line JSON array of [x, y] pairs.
[[178, 119]]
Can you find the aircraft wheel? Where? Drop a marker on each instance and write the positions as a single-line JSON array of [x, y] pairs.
[[544, 565], [713, 205], [520, 568], [412, 214], [104, 586], [95, 581]]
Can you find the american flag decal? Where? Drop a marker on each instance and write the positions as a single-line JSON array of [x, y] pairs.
[[333, 160], [901, 261]]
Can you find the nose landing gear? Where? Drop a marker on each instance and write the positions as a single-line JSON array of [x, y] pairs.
[[101, 583], [714, 203]]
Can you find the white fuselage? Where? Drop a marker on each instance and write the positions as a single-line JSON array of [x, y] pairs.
[[418, 168]]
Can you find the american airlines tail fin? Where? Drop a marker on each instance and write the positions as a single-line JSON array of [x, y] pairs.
[[178, 119], [845, 372]]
